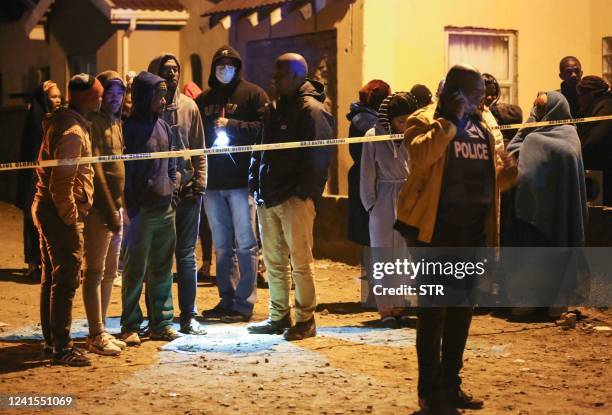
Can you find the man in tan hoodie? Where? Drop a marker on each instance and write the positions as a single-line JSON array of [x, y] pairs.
[[63, 198]]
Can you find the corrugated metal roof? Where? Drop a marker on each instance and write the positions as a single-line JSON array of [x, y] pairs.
[[229, 6], [158, 5]]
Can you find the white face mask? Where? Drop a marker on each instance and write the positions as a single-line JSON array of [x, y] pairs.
[[225, 73]]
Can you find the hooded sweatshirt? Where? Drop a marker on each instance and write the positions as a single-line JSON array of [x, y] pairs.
[[148, 183], [184, 118], [68, 188], [107, 140], [244, 105], [551, 193], [276, 176]]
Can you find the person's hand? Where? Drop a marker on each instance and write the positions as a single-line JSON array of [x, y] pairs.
[[456, 104], [114, 223], [508, 160], [221, 122]]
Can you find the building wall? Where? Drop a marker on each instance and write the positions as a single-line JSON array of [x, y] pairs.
[[145, 45], [19, 69], [197, 37], [601, 16], [404, 42]]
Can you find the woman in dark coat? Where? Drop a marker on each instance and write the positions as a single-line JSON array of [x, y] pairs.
[[363, 115], [45, 99]]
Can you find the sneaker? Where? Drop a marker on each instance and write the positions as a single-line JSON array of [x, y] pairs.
[[236, 317], [119, 343], [390, 322], [302, 330], [71, 357], [117, 282], [216, 312], [457, 398], [270, 326], [102, 344], [167, 334], [192, 327], [130, 338]]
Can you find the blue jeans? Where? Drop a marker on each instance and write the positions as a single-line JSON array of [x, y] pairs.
[[231, 214], [187, 226]]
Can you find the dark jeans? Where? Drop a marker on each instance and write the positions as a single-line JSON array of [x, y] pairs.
[[187, 227], [61, 248], [445, 330], [205, 236], [442, 332], [150, 249]]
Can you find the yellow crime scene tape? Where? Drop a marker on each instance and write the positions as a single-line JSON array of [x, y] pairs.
[[258, 147]]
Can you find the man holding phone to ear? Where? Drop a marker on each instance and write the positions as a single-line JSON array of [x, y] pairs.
[[450, 200]]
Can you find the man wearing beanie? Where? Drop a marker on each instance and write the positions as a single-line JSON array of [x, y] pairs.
[[596, 137], [103, 226], [150, 199], [232, 108], [63, 198], [182, 115]]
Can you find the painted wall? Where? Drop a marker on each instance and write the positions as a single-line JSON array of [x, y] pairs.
[[19, 70], [197, 37], [404, 40], [145, 45], [601, 26]]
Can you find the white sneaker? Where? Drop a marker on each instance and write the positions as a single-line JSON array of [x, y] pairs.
[[101, 344], [117, 281], [120, 343]]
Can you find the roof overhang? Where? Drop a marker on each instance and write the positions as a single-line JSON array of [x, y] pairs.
[[118, 16]]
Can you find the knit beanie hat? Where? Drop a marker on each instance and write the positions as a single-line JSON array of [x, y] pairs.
[[400, 103], [592, 85], [84, 89], [373, 93], [422, 95]]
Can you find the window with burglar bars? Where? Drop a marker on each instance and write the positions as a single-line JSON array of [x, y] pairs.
[[491, 51]]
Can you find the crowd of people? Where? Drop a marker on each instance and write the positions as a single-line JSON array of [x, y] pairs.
[[136, 219]]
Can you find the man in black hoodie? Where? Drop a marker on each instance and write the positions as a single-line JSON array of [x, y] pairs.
[[285, 184], [150, 187], [233, 110], [182, 115]]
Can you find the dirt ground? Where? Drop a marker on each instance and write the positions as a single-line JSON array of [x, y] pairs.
[[352, 367]]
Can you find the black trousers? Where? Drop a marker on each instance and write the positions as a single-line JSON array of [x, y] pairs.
[[61, 249], [442, 331]]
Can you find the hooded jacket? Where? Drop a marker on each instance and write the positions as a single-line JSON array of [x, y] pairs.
[[68, 188], [427, 138], [148, 183], [107, 140], [184, 118], [596, 139], [362, 118], [276, 176], [244, 106], [550, 193]]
